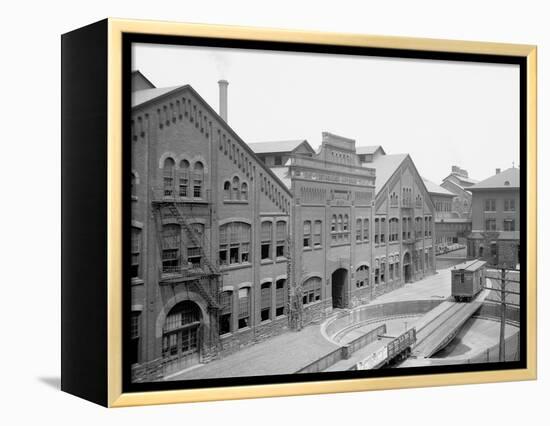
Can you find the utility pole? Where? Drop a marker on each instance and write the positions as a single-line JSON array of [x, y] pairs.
[[502, 345]]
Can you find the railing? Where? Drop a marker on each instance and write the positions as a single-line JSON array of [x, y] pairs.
[[171, 194]]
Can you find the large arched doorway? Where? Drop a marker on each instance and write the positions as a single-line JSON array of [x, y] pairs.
[[407, 267], [181, 337], [339, 280]]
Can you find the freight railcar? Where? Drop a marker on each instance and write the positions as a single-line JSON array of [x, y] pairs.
[[468, 279], [398, 349]]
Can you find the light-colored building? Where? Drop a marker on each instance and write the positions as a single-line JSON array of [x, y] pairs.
[[458, 182], [496, 219]]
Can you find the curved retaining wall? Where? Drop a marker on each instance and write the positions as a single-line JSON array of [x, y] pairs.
[[371, 312]]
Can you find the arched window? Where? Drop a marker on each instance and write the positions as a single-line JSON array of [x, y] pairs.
[[236, 188], [226, 309], [244, 307], [244, 191], [317, 233], [226, 190], [280, 297], [171, 246], [340, 227], [184, 179], [168, 177], [311, 290], [180, 335], [333, 223], [280, 235], [307, 234], [234, 243], [346, 223], [265, 302], [198, 178], [362, 276], [266, 240]]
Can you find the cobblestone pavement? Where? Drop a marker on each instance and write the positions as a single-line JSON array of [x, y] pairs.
[[287, 353]]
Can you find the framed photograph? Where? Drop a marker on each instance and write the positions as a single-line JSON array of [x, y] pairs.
[[255, 212]]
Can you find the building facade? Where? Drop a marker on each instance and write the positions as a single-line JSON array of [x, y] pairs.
[[496, 219], [210, 224], [450, 227], [458, 183]]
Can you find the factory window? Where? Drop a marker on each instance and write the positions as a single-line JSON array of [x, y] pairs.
[[490, 225], [280, 297], [317, 233], [390, 272], [426, 226], [184, 179], [267, 239], [376, 231], [280, 235], [383, 230], [394, 200], [376, 275], [278, 160], [180, 332], [362, 276], [244, 307], [430, 219], [418, 202], [394, 229], [171, 246], [226, 190], [366, 229], [509, 225], [307, 234], [418, 230], [382, 272], [236, 188], [168, 177], [510, 205], [198, 177], [396, 269], [136, 252], [194, 245], [134, 335], [265, 302], [234, 243], [333, 223], [133, 184], [226, 302], [311, 290], [244, 191], [490, 205], [358, 229]]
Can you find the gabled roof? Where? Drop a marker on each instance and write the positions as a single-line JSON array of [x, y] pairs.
[[150, 95], [140, 97], [507, 179], [279, 146], [385, 166], [140, 82], [462, 179], [370, 149], [435, 189]]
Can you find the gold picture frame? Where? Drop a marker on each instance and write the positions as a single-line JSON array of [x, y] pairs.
[[115, 396]]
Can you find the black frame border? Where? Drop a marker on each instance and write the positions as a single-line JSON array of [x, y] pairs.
[[129, 38]]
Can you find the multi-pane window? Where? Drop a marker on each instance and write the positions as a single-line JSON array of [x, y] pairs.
[[244, 191], [394, 199], [490, 205], [509, 225], [510, 205], [267, 240], [426, 226], [490, 225], [280, 297], [376, 274], [366, 229], [184, 179], [394, 229], [396, 269], [244, 307], [194, 245], [311, 290], [362, 276], [171, 246], [418, 230], [280, 235], [236, 189], [419, 201], [234, 243], [383, 230], [358, 230], [133, 184], [180, 333], [134, 336], [136, 252], [226, 190], [307, 234], [317, 233], [390, 272], [265, 302], [376, 231], [226, 302], [198, 178], [382, 272], [168, 177]]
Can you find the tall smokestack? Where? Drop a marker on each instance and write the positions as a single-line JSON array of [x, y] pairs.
[[223, 98]]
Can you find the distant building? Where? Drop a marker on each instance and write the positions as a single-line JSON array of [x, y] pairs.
[[450, 227], [458, 182], [496, 219], [277, 153]]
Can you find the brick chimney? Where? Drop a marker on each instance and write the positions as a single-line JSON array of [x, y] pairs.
[[497, 171], [223, 98]]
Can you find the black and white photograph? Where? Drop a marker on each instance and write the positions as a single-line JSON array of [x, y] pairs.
[[299, 212]]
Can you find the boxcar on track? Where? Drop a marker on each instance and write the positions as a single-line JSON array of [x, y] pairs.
[[468, 279]]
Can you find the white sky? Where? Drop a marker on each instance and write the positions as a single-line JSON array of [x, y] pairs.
[[441, 113]]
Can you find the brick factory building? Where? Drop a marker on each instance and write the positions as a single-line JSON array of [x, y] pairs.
[[496, 219]]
